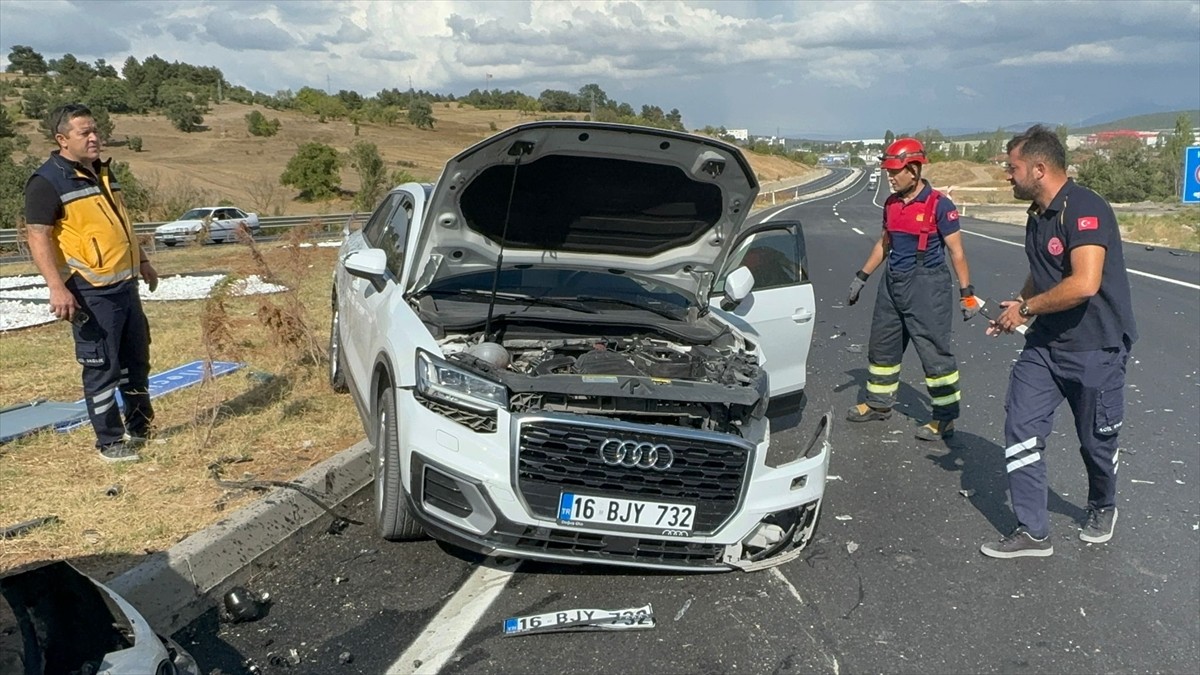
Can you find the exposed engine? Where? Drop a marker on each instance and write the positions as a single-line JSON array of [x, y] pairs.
[[640, 379]]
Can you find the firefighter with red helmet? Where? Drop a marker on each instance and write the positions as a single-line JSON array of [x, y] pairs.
[[914, 302]]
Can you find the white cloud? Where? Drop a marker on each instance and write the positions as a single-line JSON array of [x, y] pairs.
[[848, 62]]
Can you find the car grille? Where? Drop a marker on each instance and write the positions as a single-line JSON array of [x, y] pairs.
[[555, 456], [608, 548]]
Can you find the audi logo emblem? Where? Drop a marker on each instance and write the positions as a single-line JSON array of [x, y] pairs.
[[636, 454]]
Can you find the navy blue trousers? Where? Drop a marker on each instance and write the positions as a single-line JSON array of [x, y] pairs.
[[1093, 384], [113, 347]]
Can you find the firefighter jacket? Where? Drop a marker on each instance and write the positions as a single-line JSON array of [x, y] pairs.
[[95, 236]]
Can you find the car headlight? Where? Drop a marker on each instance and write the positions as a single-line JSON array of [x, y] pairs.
[[438, 379]]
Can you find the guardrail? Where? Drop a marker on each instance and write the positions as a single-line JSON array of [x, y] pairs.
[[329, 223]]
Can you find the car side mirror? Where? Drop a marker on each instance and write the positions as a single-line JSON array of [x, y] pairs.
[[369, 264], [738, 285]]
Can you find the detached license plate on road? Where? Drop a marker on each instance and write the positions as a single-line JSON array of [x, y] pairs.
[[626, 514], [636, 618]]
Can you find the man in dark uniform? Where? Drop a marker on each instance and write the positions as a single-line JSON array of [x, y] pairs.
[[1078, 290], [914, 303], [83, 244]]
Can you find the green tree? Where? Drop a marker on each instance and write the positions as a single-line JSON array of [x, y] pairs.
[[259, 125], [24, 60], [592, 98], [135, 195], [1122, 172], [557, 100], [107, 93], [103, 69], [104, 124], [420, 115], [8, 127], [1062, 132], [1172, 154], [184, 115], [313, 170], [365, 159], [73, 72], [888, 138]]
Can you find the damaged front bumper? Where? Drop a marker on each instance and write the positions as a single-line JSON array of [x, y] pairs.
[[775, 519]]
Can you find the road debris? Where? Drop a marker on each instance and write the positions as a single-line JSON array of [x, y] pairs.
[[114, 490], [635, 618], [1146, 482], [244, 605], [687, 603], [967, 493], [25, 526], [851, 547], [854, 349], [843, 517], [345, 657]]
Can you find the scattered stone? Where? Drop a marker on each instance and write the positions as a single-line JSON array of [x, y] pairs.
[[967, 493], [345, 657]]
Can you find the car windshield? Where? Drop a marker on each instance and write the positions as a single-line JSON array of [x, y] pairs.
[[196, 214], [594, 290]]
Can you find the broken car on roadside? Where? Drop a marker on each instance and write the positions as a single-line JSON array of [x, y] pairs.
[[564, 349]]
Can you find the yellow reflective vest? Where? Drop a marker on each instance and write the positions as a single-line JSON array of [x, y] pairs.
[[95, 236]]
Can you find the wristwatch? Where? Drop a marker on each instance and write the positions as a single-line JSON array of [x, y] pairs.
[[1024, 311]]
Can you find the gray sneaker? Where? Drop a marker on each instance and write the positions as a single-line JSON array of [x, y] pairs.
[[1019, 544], [1099, 526], [122, 451]]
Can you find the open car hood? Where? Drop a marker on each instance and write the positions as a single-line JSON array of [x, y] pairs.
[[628, 199]]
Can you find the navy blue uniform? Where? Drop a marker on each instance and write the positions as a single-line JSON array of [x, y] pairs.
[[915, 303], [1078, 354]]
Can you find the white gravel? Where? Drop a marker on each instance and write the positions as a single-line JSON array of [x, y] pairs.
[[23, 299]]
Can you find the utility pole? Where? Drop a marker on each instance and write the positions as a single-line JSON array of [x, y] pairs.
[[328, 87]]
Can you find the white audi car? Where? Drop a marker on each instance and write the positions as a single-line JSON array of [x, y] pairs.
[[564, 350]]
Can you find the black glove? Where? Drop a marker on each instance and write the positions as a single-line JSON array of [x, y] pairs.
[[970, 304], [856, 286]]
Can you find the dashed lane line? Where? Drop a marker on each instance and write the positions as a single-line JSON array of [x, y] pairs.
[[857, 230], [446, 631]]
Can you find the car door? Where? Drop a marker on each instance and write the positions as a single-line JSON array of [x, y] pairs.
[[217, 225], [781, 309], [357, 297]]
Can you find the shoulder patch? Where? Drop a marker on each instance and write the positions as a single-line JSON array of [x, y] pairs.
[[1088, 223], [953, 215]]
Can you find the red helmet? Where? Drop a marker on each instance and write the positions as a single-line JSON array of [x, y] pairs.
[[902, 152]]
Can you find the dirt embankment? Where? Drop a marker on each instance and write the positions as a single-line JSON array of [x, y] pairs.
[[224, 162]]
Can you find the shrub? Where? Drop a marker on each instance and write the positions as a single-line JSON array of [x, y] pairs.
[[258, 124], [135, 143], [314, 171]]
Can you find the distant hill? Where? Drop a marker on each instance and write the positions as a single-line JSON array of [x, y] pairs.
[[1146, 122], [1161, 120]]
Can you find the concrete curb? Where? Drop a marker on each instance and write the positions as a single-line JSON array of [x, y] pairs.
[[174, 587]]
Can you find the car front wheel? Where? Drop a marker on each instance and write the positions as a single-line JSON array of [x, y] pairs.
[[391, 511], [337, 371]]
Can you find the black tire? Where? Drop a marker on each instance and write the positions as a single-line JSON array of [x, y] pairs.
[[391, 509], [337, 367], [168, 243]]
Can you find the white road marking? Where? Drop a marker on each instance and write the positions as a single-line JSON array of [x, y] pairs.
[[842, 219], [446, 631], [858, 231], [779, 575], [1140, 273]]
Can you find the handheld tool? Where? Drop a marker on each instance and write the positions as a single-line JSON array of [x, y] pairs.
[[990, 315]]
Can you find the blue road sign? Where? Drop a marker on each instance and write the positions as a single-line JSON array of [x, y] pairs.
[[1191, 175]]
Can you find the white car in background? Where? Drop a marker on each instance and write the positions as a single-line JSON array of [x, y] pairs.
[[217, 223], [565, 349]]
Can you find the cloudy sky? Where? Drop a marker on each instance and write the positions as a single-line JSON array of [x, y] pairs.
[[822, 69]]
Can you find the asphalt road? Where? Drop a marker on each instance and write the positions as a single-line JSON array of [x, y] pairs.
[[894, 581]]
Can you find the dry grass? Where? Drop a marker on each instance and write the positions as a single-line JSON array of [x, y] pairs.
[[1177, 228], [261, 415], [224, 162]]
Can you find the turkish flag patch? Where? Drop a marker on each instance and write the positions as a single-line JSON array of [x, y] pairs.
[[953, 215], [1088, 223]]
